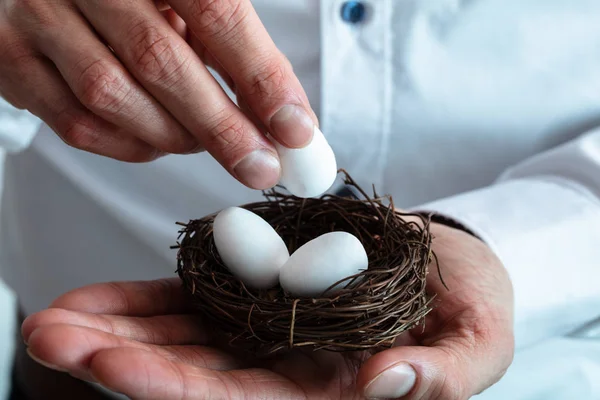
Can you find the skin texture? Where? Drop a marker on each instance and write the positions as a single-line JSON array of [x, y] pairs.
[[128, 79], [136, 338]]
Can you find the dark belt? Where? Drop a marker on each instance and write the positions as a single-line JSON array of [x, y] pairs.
[[32, 381]]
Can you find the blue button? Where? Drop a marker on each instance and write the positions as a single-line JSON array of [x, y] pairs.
[[353, 12]]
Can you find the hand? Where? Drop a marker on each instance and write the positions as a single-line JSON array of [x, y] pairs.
[[137, 338], [127, 80]]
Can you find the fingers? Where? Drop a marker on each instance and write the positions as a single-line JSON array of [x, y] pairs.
[[39, 87], [179, 25], [209, 60], [454, 369], [103, 85], [176, 22], [141, 374], [71, 348], [151, 372], [162, 5], [134, 299], [468, 340], [417, 373], [165, 65], [233, 33], [158, 330]]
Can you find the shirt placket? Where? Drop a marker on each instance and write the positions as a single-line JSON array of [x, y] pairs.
[[357, 84]]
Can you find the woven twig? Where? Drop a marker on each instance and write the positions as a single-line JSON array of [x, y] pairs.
[[376, 306]]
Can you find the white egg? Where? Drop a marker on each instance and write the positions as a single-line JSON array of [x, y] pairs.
[[249, 246], [321, 262], [309, 171]]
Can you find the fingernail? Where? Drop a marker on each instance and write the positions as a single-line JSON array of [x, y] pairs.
[[310, 171], [292, 126], [392, 383], [198, 149], [44, 363], [83, 376], [259, 170]]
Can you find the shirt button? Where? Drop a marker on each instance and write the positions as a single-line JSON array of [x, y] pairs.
[[353, 12]]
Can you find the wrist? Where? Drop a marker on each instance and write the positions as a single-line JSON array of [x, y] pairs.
[[449, 222]]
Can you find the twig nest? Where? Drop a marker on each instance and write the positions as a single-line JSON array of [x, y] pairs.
[[366, 310]]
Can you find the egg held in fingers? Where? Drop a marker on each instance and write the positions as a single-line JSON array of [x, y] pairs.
[[309, 171]]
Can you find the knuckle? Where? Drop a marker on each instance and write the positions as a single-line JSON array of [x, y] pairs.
[[217, 18], [78, 132], [156, 57], [14, 7], [25, 13], [15, 55], [102, 87], [228, 134], [270, 80]]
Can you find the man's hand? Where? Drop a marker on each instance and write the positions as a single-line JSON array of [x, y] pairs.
[[137, 338], [127, 79]]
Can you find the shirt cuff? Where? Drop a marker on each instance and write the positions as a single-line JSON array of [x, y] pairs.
[[17, 127], [546, 232]]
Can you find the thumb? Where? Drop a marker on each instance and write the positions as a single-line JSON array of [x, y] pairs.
[[426, 373]]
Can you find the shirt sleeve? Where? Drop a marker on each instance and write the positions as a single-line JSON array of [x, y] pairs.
[[17, 127], [542, 219]]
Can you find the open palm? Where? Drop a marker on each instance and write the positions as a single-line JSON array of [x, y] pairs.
[[139, 339]]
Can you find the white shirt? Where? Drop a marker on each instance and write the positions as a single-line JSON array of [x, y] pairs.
[[482, 110]]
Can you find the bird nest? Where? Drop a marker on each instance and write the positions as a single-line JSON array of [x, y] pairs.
[[374, 307]]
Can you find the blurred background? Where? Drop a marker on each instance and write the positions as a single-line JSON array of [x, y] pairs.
[[7, 322]]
